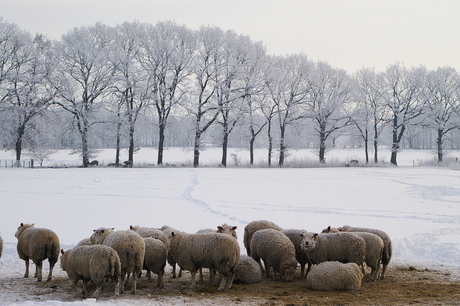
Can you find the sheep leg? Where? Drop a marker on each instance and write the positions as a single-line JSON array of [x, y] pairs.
[[134, 283], [122, 282], [26, 274], [212, 276], [50, 274], [223, 282], [201, 274], [193, 285], [231, 276], [302, 270], [38, 270], [160, 279], [384, 268], [117, 288], [83, 288]]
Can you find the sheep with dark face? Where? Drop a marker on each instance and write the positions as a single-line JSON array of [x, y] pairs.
[[215, 251], [253, 227], [387, 249], [37, 244], [374, 250], [302, 258], [92, 263], [130, 248], [334, 275], [342, 247], [277, 252]]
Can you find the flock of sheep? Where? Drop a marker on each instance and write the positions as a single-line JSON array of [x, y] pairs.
[[338, 253]]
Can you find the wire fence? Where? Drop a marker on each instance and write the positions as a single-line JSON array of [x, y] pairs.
[[11, 163]]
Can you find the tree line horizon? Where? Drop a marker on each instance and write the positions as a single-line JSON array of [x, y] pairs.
[[114, 86]]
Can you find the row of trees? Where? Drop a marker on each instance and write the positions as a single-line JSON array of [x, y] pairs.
[[101, 80]]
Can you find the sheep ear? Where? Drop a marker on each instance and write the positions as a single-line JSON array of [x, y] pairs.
[[301, 235], [62, 251], [219, 227], [234, 228], [113, 228], [328, 228], [22, 224], [131, 227], [94, 230], [173, 234], [315, 235]]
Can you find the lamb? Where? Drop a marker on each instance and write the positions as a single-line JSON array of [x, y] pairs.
[[130, 248], [374, 250], [253, 227], [276, 250], [92, 263], [155, 259], [247, 271], [168, 230], [387, 250], [155, 233], [302, 258], [215, 251], [343, 247], [334, 275], [37, 244]]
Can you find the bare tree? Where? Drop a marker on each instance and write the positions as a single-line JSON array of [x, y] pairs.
[[167, 53], [84, 76], [329, 92], [403, 88], [129, 82], [369, 113], [442, 94], [286, 82]]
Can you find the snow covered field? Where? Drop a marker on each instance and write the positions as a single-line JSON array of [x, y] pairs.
[[419, 207]]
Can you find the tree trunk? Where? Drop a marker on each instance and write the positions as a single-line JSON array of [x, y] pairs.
[[131, 144], [117, 151], [251, 150], [196, 150], [224, 149], [394, 147], [270, 143], [282, 146], [161, 143], [366, 147], [439, 144], [21, 131], [376, 159], [322, 144]]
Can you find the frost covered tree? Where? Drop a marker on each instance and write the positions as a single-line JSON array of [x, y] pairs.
[[442, 95], [129, 82], [403, 92], [286, 82], [84, 76], [328, 94], [369, 110], [166, 55]]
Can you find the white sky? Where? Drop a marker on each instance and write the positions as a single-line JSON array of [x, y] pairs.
[[349, 34]]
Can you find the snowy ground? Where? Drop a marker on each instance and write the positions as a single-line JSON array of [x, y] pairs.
[[419, 207]]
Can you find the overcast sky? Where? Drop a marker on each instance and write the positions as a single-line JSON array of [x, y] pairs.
[[349, 34]]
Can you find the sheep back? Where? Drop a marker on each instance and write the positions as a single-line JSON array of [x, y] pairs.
[[387, 249], [247, 271], [155, 258], [92, 263], [253, 227], [37, 244], [85, 241], [342, 247], [155, 233], [334, 275], [276, 250]]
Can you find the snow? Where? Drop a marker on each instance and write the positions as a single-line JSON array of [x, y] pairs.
[[419, 207]]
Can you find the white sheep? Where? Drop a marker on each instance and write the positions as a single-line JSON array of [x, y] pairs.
[[130, 248], [168, 230], [387, 250], [37, 244], [155, 259], [247, 271], [334, 275], [85, 241], [276, 250], [217, 252], [343, 247], [227, 229], [374, 250], [92, 263], [155, 233], [253, 227], [302, 258]]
